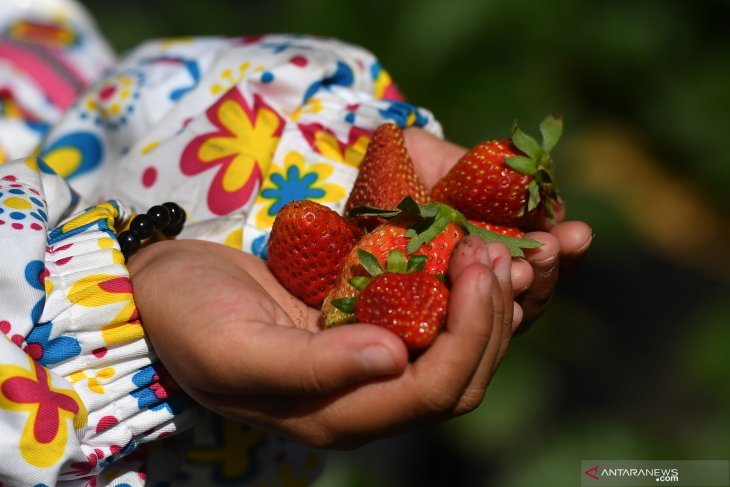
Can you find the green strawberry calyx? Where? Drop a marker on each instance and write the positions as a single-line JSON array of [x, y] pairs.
[[395, 262], [537, 162], [432, 218]]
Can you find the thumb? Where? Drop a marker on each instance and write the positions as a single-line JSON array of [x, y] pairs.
[[273, 359]]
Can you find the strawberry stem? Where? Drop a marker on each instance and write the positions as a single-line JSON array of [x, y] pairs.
[[538, 162], [434, 217]]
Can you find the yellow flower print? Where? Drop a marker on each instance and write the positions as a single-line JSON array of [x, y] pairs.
[[313, 105], [231, 439], [324, 141], [99, 290], [103, 211], [229, 78], [93, 382], [240, 150]]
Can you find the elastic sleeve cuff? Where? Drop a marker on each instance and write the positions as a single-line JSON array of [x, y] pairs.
[[90, 333]]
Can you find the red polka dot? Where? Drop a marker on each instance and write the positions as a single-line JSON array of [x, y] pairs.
[[2, 222], [149, 177], [17, 226], [34, 350], [300, 61], [105, 423], [250, 39], [9, 178], [107, 92], [4, 326], [100, 352], [36, 226]]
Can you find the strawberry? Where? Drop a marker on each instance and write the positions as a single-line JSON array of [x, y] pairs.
[[431, 230], [412, 305], [378, 244], [403, 298], [386, 175], [307, 247], [499, 229], [505, 181]]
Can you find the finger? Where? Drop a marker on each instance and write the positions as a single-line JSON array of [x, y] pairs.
[[502, 266], [557, 215], [522, 275], [456, 355], [480, 313], [272, 359], [517, 316], [575, 239], [545, 263], [433, 156], [502, 309]]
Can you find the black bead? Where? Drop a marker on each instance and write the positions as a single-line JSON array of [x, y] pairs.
[[160, 216], [142, 226], [173, 230], [177, 214], [128, 243]]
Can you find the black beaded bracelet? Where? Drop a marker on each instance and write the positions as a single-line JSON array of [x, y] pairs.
[[168, 218]]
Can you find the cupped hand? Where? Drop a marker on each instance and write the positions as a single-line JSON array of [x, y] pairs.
[[534, 277], [240, 345]]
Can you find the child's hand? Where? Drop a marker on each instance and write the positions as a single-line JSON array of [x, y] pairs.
[[533, 278], [243, 347]]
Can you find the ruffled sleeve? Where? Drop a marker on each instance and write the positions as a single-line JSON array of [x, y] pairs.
[[80, 387]]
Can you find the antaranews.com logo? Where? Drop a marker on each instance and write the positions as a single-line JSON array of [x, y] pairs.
[[705, 473]]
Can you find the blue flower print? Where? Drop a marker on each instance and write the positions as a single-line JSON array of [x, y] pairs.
[[295, 186], [48, 351]]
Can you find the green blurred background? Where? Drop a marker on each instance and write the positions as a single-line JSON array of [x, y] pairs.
[[632, 360]]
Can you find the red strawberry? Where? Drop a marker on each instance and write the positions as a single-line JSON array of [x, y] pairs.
[[386, 174], [412, 305], [505, 181], [431, 230], [378, 244], [307, 247]]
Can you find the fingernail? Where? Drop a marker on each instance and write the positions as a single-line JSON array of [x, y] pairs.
[[378, 360], [547, 262], [587, 244]]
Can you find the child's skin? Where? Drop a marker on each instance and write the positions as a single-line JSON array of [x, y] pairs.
[[242, 346]]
